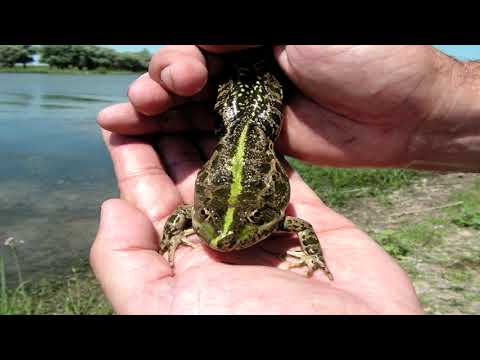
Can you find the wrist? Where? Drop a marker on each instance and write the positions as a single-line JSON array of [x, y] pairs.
[[448, 138]]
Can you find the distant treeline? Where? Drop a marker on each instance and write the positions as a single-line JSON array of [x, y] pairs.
[[16, 54], [83, 57]]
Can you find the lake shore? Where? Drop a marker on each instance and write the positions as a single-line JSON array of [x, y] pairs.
[[74, 71], [436, 245]]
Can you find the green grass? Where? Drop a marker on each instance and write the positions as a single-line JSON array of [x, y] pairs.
[[458, 276], [70, 71], [469, 214], [338, 186], [406, 239], [16, 301], [435, 251], [75, 293]]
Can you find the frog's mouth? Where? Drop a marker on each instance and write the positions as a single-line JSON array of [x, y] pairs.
[[221, 239]]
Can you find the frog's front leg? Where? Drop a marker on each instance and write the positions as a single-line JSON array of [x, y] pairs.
[[175, 231], [311, 254]]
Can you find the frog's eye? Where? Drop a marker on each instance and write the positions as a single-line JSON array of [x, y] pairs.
[[205, 214], [255, 217]]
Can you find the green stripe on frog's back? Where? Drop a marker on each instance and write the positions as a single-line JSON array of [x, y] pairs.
[[237, 164]]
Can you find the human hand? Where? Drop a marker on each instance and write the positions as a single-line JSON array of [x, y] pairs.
[[368, 106], [138, 280]]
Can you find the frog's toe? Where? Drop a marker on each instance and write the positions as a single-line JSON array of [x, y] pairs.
[[191, 244], [312, 262]]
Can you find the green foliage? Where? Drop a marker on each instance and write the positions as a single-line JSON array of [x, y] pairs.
[[41, 69], [80, 299], [91, 57], [469, 214], [78, 293], [392, 243], [60, 56], [336, 186], [405, 239], [16, 301], [458, 276], [468, 218], [15, 54]]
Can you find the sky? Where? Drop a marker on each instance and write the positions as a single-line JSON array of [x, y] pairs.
[[462, 52], [151, 48]]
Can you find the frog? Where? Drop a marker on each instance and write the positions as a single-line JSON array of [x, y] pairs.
[[242, 191]]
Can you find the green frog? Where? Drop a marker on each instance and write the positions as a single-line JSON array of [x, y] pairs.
[[242, 191]]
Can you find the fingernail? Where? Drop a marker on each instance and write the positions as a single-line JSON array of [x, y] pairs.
[[166, 76]]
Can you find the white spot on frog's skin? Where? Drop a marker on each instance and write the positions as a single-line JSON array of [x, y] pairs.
[[231, 111]]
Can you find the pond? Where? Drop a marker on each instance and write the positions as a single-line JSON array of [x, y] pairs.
[[54, 168]]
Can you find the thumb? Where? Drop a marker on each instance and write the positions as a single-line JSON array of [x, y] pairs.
[[124, 227], [124, 255]]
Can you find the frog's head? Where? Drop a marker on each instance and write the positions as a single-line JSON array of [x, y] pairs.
[[234, 228]]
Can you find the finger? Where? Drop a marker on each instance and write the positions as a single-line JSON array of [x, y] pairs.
[[181, 69], [226, 48], [123, 119], [182, 161], [206, 144], [124, 255], [150, 98], [141, 177]]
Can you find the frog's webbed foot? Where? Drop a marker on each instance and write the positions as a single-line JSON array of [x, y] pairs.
[[175, 232], [311, 254], [312, 262]]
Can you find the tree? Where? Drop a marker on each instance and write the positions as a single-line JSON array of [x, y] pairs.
[[60, 56], [137, 61], [127, 61], [27, 55], [13, 54], [145, 57], [91, 57]]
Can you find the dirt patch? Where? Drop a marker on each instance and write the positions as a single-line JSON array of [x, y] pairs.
[[409, 204], [441, 258]]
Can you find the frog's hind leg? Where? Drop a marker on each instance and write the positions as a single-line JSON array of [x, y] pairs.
[[176, 230], [311, 254]]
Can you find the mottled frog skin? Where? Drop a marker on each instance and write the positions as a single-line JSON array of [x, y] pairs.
[[242, 191]]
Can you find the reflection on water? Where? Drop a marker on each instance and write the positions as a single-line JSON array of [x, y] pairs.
[[60, 106], [54, 170], [74, 98]]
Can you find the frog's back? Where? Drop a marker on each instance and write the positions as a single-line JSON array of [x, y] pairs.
[[252, 96], [243, 181], [252, 174]]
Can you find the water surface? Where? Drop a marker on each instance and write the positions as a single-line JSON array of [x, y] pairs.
[[54, 169]]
